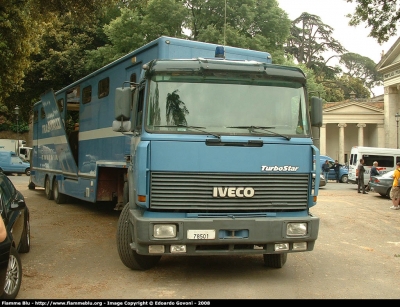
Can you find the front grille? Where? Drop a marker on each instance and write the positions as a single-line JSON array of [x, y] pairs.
[[193, 192]]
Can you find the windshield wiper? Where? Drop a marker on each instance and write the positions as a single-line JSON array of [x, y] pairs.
[[190, 127], [253, 128]]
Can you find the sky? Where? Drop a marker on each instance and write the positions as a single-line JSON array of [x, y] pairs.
[[333, 13]]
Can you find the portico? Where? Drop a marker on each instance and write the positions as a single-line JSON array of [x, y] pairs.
[[354, 122]]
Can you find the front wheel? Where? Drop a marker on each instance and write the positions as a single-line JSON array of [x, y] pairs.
[[28, 171], [128, 256], [13, 276], [275, 260], [345, 179]]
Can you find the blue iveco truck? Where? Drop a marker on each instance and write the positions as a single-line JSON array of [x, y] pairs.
[[208, 150]]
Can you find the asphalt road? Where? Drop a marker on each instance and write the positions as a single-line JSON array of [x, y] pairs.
[[73, 255]]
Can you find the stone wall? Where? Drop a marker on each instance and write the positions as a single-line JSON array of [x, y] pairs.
[[21, 136]]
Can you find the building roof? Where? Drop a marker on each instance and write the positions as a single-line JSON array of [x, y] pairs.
[[369, 103]]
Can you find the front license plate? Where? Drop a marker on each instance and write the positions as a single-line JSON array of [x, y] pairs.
[[207, 234]]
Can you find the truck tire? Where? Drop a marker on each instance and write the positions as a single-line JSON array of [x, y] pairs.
[[128, 256], [275, 260], [31, 185], [13, 276], [47, 189], [59, 198]]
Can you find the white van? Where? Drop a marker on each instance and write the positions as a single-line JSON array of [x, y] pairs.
[[386, 158]]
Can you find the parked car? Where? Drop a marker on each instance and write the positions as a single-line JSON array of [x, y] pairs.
[[322, 181], [343, 171], [381, 184], [11, 163], [15, 215]]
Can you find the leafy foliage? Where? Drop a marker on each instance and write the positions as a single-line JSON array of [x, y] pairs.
[[382, 16], [134, 28], [19, 34], [52, 43], [246, 24], [310, 38], [362, 68]]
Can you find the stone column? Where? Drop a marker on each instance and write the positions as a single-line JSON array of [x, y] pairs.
[[341, 142], [391, 107], [381, 135], [361, 134], [322, 139]]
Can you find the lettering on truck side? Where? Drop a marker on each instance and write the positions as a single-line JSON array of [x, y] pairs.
[[285, 168]]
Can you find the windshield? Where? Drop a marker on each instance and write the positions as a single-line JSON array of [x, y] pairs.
[[225, 106]]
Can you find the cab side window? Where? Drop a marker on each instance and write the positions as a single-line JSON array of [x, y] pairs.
[[140, 108]]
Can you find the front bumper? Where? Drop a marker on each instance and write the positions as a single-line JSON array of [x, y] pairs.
[[250, 235]]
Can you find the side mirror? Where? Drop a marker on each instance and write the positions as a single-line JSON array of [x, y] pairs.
[[123, 102], [17, 204], [316, 112], [122, 109]]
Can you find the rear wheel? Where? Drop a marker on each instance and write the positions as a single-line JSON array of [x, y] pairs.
[[47, 189], [13, 277], [275, 260], [128, 256], [388, 193], [59, 198]]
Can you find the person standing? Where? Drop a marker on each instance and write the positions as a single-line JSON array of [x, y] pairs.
[[395, 191], [374, 171], [361, 171], [325, 170], [336, 167]]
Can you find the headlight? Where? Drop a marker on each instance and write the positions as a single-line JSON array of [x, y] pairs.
[[296, 229], [164, 231]]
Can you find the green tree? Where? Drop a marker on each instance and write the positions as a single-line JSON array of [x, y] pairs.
[[254, 24], [60, 62], [310, 39], [354, 85], [136, 27], [382, 16], [19, 37], [357, 66], [31, 46]]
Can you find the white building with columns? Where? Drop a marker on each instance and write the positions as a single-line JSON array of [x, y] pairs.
[[389, 67], [371, 122], [354, 122]]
